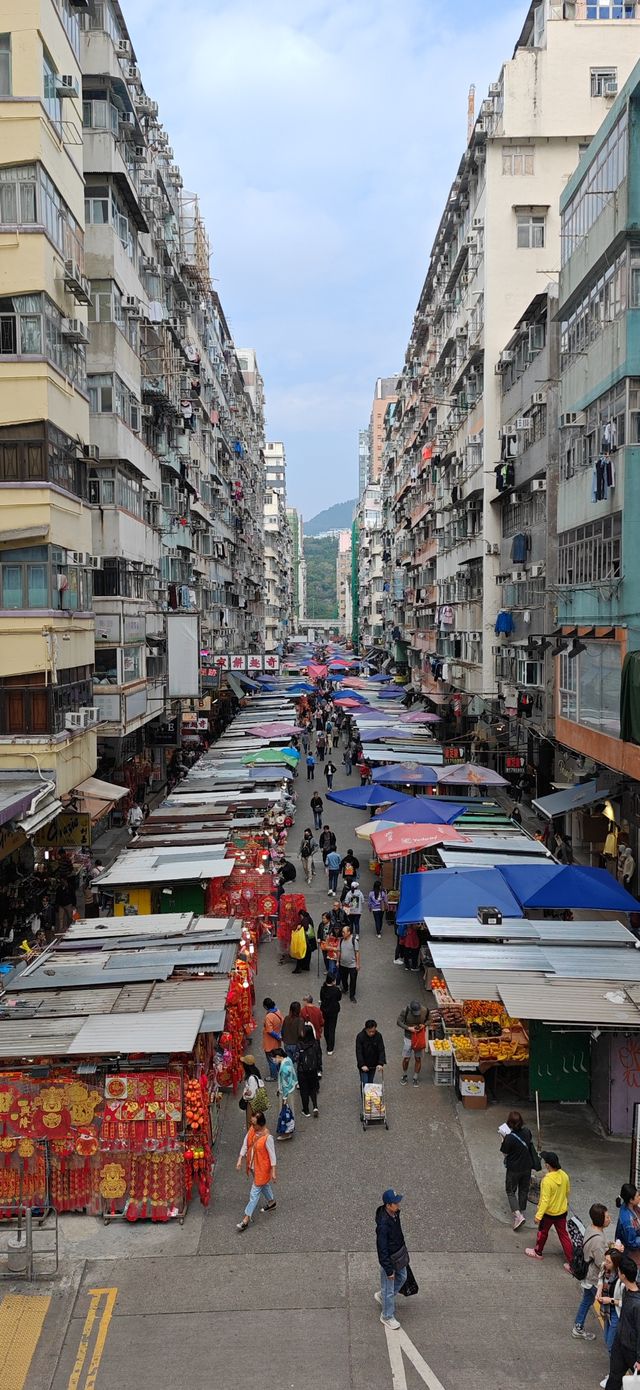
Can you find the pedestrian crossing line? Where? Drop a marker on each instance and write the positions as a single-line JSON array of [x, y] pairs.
[[397, 1343], [78, 1380], [21, 1321]]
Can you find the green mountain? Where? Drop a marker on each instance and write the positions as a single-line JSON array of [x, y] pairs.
[[322, 591], [335, 518]]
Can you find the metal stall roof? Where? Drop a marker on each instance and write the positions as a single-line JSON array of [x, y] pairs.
[[175, 1031]]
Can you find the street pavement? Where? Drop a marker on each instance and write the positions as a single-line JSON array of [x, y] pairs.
[[290, 1303]]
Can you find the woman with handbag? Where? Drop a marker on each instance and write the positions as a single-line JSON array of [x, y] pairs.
[[254, 1096], [517, 1147], [413, 1021]]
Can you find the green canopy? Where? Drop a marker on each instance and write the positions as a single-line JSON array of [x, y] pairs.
[[630, 699], [270, 755]]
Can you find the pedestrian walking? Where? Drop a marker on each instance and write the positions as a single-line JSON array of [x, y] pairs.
[[517, 1147], [335, 735], [628, 1224], [321, 744], [330, 770], [594, 1249], [370, 1051], [349, 866], [326, 841], [317, 807], [609, 1296], [347, 762], [365, 773], [413, 1021], [307, 851], [287, 1082], [393, 1256], [271, 1035], [254, 1097], [377, 904], [309, 1070], [134, 820], [625, 1352], [349, 963], [329, 937], [353, 904], [333, 869], [311, 767], [258, 1151], [305, 920], [312, 1013], [292, 1030], [330, 1005], [305, 740], [552, 1208]]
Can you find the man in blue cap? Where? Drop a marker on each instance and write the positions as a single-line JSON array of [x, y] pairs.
[[393, 1256]]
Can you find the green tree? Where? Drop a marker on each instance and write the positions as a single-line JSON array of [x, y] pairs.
[[322, 594]]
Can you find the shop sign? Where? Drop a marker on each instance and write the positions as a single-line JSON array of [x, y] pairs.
[[70, 829], [165, 736], [236, 661], [454, 755], [10, 840]]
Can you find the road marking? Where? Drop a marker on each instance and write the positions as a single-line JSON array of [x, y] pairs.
[[95, 1299], [21, 1320], [397, 1342]]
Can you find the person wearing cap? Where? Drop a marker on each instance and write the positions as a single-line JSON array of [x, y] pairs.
[[413, 1021], [353, 905], [393, 1256]]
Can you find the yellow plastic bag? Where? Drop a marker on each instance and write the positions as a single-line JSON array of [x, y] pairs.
[[298, 944]]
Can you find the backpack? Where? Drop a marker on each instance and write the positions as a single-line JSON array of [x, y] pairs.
[[306, 1064], [579, 1262]]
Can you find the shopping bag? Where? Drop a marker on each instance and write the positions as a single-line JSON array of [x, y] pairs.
[[631, 1381], [410, 1287], [286, 1122], [298, 944], [419, 1039]]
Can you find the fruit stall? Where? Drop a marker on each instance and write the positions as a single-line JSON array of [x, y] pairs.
[[477, 1047]]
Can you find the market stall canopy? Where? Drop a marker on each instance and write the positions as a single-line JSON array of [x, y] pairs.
[[409, 774], [151, 1033], [408, 839], [316, 670], [132, 868], [301, 688], [560, 803], [275, 730], [472, 775], [418, 717], [454, 893], [271, 755], [372, 827], [567, 886], [591, 933], [423, 810], [365, 796], [585, 1003], [99, 797], [16, 796]]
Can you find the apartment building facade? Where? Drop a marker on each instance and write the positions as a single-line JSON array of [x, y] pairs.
[[343, 583], [298, 569], [496, 250], [126, 384], [370, 566], [385, 391], [277, 550]]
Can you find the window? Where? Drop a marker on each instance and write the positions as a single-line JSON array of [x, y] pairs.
[[21, 325], [29, 198], [102, 487], [52, 102], [530, 230], [106, 666], [5, 65], [590, 687], [529, 672], [610, 9], [591, 554], [18, 196], [518, 159], [604, 81], [96, 203], [602, 178], [109, 395], [131, 664], [100, 394]]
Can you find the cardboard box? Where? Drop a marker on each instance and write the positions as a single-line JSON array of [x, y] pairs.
[[474, 1102], [471, 1084]]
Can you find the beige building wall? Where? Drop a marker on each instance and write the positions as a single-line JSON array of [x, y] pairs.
[[384, 393]]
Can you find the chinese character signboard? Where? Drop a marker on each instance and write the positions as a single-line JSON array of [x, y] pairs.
[[252, 662], [69, 829]]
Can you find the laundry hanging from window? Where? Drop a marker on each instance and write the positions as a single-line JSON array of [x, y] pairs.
[[505, 476], [520, 547], [504, 621], [603, 478]]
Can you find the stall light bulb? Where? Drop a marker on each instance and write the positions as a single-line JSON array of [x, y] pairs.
[[245, 984]]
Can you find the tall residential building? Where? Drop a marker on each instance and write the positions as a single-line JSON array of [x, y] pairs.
[[47, 715], [597, 653], [370, 567], [343, 583], [276, 467], [496, 250], [298, 569], [124, 414], [385, 391], [363, 460]]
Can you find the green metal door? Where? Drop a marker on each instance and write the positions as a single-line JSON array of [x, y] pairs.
[[559, 1063]]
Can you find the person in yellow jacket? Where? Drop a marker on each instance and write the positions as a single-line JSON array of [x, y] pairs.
[[552, 1208]]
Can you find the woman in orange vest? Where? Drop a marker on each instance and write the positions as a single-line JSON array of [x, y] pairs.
[[259, 1151]]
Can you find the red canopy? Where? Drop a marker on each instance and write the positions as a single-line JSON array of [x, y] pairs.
[[347, 703], [316, 671], [406, 839]]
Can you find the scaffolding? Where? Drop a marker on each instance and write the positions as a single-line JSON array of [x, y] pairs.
[[195, 242]]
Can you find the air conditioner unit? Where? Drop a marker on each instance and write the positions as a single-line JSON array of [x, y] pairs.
[[171, 551], [95, 562], [494, 89], [538, 398], [133, 73], [478, 223], [123, 48], [475, 636], [610, 89], [75, 331], [538, 485], [506, 356], [130, 304], [91, 451], [523, 422], [67, 86], [514, 499], [518, 576], [509, 651], [90, 715], [537, 570], [78, 557], [147, 412], [471, 241], [138, 155], [174, 324], [150, 265], [126, 118], [572, 418], [183, 306], [73, 719]]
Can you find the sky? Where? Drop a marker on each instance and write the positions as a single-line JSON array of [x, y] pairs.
[[322, 137]]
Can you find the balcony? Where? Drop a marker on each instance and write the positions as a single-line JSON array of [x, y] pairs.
[[30, 708]]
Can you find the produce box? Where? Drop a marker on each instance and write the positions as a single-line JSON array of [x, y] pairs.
[[471, 1085]]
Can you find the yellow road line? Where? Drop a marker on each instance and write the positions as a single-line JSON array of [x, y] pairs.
[[96, 1297], [21, 1320]]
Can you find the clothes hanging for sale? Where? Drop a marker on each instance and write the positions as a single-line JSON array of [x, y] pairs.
[[520, 546], [504, 621]]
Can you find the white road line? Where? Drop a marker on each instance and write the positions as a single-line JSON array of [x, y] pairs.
[[397, 1343]]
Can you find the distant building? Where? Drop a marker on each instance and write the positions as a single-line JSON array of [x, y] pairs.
[[276, 467], [343, 583], [363, 460], [384, 393], [298, 568], [277, 550]]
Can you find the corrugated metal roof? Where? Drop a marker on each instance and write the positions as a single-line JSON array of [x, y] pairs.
[[84, 977], [46, 1037], [213, 1021], [149, 1032], [583, 1002], [570, 799], [188, 994], [502, 842], [598, 963], [460, 928], [67, 1002], [481, 957], [95, 929], [132, 999], [166, 871], [587, 933], [469, 859]]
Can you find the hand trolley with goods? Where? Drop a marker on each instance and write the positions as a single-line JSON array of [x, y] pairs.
[[373, 1108]]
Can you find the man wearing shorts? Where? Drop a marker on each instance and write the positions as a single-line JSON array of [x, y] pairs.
[[412, 1020]]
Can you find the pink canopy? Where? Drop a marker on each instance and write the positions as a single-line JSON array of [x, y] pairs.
[[275, 730], [419, 717], [469, 774], [406, 839], [346, 703], [316, 671]]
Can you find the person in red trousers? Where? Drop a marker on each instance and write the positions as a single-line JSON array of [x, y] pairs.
[[552, 1208]]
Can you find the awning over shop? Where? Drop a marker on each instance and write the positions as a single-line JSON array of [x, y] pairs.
[[41, 817], [570, 799], [99, 797], [566, 886], [235, 686], [16, 795], [453, 893], [583, 1002], [161, 1032], [247, 682]]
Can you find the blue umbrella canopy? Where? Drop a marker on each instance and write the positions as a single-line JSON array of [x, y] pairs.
[[409, 774], [567, 886], [454, 893], [365, 796], [423, 810]]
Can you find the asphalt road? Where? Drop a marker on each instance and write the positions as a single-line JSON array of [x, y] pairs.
[[290, 1303]]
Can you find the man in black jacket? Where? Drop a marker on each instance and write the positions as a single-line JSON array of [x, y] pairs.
[[625, 1352], [370, 1053], [393, 1256]]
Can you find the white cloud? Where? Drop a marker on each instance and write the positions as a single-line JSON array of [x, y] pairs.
[[322, 138]]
